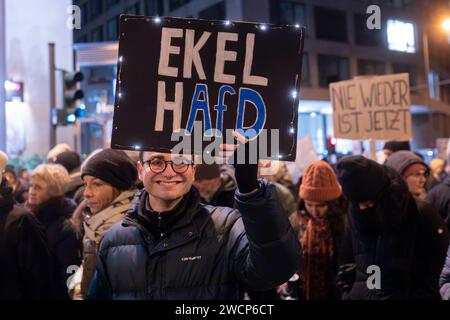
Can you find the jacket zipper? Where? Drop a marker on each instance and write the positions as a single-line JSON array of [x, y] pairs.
[[159, 225]]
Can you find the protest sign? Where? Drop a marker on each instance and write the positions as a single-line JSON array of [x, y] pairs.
[[174, 72], [376, 107]]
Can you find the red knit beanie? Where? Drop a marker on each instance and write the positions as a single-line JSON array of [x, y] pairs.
[[319, 183]]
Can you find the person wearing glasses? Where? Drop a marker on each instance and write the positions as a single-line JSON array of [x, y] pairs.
[[170, 246], [109, 178], [412, 168]]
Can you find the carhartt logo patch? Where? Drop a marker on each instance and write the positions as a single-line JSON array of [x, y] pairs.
[[191, 258]]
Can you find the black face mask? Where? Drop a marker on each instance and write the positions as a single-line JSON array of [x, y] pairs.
[[366, 220]]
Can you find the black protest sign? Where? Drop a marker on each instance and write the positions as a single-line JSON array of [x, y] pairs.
[[375, 107], [175, 72]]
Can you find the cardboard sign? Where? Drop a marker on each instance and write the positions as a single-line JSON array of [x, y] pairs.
[[174, 72], [376, 107]]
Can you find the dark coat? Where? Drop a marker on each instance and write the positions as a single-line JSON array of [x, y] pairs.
[[210, 252], [25, 263], [410, 253], [439, 197], [64, 244], [444, 281]]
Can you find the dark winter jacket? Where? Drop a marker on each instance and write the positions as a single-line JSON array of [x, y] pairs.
[[409, 254], [444, 281], [208, 253], [25, 264], [64, 245], [439, 197]]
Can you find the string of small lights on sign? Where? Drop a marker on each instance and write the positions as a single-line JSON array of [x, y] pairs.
[[294, 93]]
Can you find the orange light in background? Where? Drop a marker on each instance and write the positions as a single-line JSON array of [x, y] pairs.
[[446, 25]]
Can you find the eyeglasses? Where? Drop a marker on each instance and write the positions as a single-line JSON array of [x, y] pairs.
[[420, 174], [159, 165]]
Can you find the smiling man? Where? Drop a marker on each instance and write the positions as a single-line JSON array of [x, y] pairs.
[[170, 246]]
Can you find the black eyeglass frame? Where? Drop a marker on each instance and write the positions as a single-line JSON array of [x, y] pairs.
[[190, 163]]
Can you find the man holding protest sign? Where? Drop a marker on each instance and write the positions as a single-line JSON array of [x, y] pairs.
[[170, 245]]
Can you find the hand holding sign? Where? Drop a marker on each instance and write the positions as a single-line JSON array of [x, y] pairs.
[[242, 154]]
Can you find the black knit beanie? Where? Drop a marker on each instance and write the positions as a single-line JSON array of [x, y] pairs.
[[361, 179], [69, 160], [113, 167], [394, 145]]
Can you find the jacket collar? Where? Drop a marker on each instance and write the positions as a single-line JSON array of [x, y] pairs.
[[55, 208], [189, 206]]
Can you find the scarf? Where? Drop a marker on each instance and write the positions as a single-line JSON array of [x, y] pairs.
[[316, 262]]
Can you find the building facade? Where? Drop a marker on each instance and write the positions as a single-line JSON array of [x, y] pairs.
[[339, 46], [25, 46]]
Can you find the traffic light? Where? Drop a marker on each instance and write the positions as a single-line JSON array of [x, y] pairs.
[[71, 96], [63, 117], [331, 145], [71, 93]]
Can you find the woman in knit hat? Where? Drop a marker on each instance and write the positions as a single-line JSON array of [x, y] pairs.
[[320, 225], [109, 177], [412, 168]]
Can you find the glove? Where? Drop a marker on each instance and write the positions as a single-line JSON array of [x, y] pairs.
[[246, 168], [346, 276]]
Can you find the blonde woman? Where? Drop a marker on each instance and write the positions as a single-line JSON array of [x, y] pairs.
[[46, 201]]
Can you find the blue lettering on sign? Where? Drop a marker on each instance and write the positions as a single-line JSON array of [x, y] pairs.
[[221, 107], [200, 105], [252, 96]]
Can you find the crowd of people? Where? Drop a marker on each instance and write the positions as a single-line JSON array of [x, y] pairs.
[[122, 225]]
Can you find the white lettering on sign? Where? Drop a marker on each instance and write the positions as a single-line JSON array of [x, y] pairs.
[[166, 50]]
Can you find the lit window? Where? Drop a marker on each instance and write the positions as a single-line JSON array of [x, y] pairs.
[[401, 36]]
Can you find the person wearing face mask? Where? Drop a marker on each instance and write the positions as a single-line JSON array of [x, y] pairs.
[[109, 186], [389, 231], [319, 223], [412, 169]]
